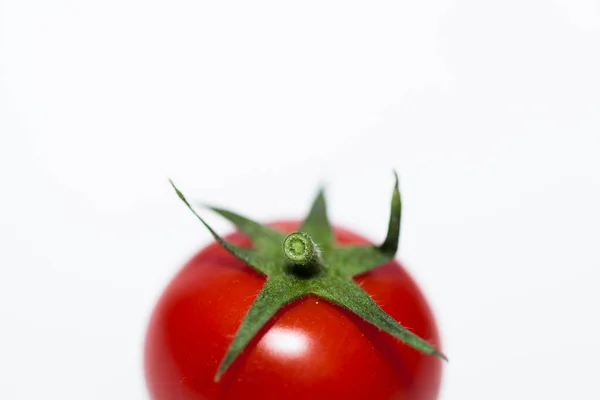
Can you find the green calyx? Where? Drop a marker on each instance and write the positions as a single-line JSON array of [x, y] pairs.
[[307, 262]]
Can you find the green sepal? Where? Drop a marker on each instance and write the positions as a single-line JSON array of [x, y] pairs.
[[316, 224], [260, 235], [248, 255], [266, 241], [346, 293], [390, 244], [355, 260], [276, 293]]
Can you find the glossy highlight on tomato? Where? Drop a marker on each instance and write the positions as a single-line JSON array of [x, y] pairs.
[[311, 349]]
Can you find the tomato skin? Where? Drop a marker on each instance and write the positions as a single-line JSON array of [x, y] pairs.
[[311, 349]]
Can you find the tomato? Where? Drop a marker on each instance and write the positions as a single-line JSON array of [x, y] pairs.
[[311, 349]]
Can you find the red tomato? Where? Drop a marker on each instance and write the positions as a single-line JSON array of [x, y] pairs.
[[310, 350]]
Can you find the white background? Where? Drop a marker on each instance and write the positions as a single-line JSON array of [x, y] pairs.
[[489, 110]]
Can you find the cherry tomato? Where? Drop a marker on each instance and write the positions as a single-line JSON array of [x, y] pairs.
[[311, 349]]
